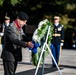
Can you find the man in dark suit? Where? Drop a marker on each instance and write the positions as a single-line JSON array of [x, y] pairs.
[[57, 39], [11, 53]]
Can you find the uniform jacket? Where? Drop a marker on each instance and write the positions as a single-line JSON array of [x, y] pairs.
[[58, 35], [13, 43], [4, 27]]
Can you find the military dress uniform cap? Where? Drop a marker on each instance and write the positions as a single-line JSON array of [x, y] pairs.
[[22, 16], [7, 18], [56, 17]]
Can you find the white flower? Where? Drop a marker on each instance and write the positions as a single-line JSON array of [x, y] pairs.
[[39, 27], [42, 23], [35, 38], [35, 35], [36, 31], [45, 20]]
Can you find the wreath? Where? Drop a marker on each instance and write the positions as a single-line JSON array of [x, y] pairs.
[[39, 37]]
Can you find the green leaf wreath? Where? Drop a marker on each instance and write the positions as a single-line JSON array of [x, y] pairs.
[[39, 36]]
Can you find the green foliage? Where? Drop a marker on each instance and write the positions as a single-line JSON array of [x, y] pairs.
[[40, 31], [1, 2], [60, 2], [13, 2], [37, 9]]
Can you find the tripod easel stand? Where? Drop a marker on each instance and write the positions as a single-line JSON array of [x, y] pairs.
[[43, 52]]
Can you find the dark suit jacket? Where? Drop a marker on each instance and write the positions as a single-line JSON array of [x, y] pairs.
[[13, 43]]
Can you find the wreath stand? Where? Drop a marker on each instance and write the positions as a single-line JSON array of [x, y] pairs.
[[43, 53]]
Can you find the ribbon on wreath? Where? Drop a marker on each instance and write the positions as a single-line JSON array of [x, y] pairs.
[[34, 49], [35, 53]]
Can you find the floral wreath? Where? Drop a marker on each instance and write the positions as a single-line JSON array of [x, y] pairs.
[[39, 37]]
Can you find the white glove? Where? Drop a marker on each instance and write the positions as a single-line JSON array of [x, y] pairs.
[[61, 44], [1, 34], [74, 45]]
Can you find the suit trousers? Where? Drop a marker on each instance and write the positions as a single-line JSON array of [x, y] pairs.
[[56, 53], [9, 67]]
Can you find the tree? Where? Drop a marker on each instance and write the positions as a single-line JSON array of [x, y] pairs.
[[39, 9], [13, 2]]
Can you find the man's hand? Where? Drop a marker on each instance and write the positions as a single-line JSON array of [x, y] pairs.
[[30, 44]]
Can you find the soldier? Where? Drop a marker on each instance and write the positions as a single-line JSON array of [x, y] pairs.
[[4, 26], [6, 22], [12, 53], [57, 39]]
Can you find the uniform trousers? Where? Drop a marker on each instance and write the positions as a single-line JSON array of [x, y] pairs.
[[56, 53], [9, 67]]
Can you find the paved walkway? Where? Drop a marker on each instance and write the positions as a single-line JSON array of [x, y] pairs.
[[67, 64]]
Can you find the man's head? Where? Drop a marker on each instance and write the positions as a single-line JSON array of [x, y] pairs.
[[22, 18], [7, 19], [56, 19]]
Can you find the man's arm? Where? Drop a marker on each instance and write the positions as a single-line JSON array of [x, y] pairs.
[[14, 38]]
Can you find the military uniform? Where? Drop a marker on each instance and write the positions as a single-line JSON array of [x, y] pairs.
[[11, 53], [57, 39], [4, 26]]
